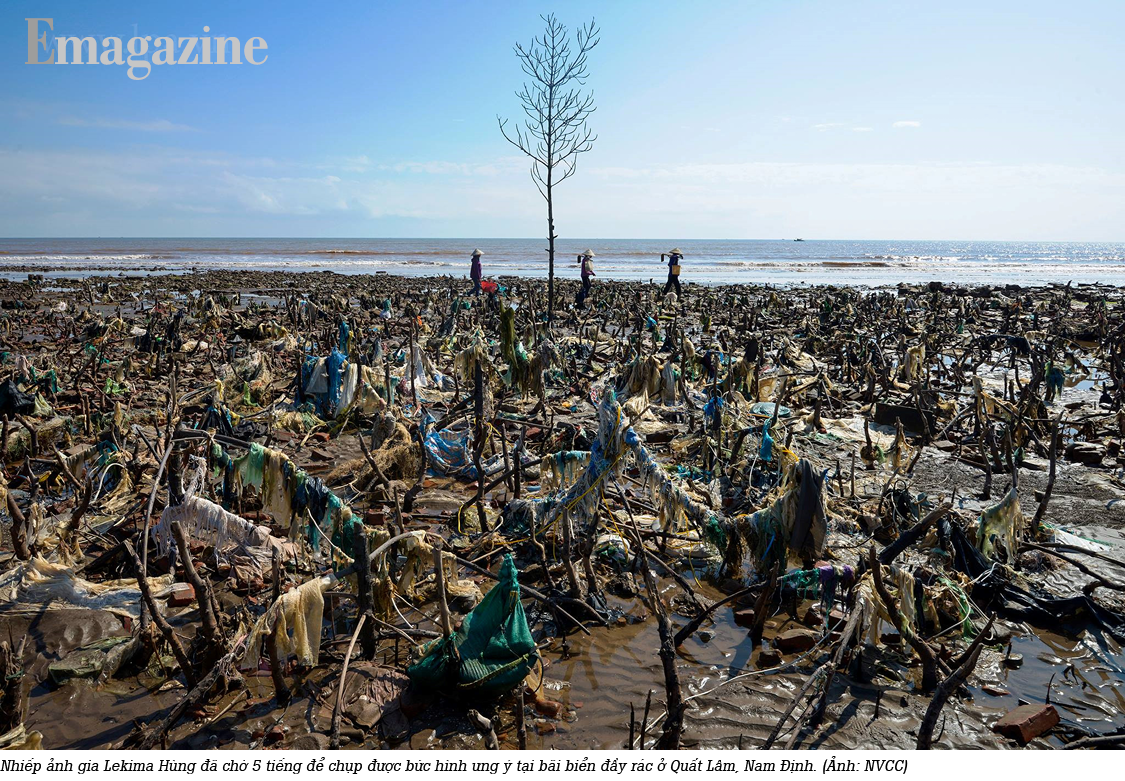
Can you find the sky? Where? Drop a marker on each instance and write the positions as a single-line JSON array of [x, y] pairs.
[[858, 120]]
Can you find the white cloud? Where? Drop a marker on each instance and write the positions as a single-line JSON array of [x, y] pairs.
[[168, 191], [862, 129], [853, 200], [448, 168], [155, 190], [907, 123], [150, 126]]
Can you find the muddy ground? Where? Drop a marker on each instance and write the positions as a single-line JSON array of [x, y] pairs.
[[581, 695]]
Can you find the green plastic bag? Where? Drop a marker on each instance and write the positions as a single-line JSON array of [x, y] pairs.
[[490, 653]]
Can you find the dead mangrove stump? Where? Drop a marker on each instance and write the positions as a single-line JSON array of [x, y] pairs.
[[13, 703], [674, 722], [212, 633], [920, 646], [158, 619], [364, 586], [761, 605], [954, 681], [198, 694]]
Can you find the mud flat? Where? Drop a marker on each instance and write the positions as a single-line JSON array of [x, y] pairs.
[[264, 508]]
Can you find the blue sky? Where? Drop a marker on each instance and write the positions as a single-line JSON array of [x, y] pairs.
[[958, 120]]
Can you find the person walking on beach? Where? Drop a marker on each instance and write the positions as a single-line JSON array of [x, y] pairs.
[[475, 273], [586, 260], [674, 258]]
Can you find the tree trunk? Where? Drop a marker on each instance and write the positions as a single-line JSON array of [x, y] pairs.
[[550, 253]]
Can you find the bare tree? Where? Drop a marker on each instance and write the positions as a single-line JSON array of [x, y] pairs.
[[554, 131]]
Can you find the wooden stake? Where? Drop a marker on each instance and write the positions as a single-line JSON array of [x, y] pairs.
[[334, 741], [363, 585], [439, 580]]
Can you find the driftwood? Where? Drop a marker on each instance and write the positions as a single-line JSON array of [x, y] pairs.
[[158, 619], [913, 534], [1099, 580], [334, 741], [821, 676], [689, 628], [1097, 741], [224, 667], [674, 722], [952, 683]]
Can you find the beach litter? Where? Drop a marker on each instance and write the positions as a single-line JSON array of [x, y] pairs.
[[420, 512]]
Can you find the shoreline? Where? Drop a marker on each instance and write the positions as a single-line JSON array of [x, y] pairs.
[[710, 262], [287, 279]]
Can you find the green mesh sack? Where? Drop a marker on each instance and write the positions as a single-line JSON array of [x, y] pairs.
[[492, 650]]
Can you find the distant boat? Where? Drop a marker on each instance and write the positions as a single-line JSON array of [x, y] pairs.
[[798, 239]]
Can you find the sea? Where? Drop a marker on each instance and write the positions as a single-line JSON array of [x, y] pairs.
[[782, 262]]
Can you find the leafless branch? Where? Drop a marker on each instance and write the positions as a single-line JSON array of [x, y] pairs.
[[553, 131]]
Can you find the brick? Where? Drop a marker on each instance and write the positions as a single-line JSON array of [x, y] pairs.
[[1088, 453], [1027, 722], [547, 707], [794, 641], [182, 594], [768, 657], [837, 618], [814, 617]]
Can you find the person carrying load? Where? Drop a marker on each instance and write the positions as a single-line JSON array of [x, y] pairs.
[[586, 261], [475, 272], [674, 258]]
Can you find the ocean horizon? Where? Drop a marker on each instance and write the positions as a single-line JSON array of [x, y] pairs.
[[707, 261]]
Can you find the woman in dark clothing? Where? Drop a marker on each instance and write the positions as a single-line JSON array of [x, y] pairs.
[[586, 260], [674, 258], [475, 273]]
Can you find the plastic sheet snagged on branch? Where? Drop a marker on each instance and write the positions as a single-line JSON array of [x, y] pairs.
[[1000, 528], [561, 469], [298, 617], [796, 523], [209, 523], [490, 653], [449, 452], [289, 492]]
